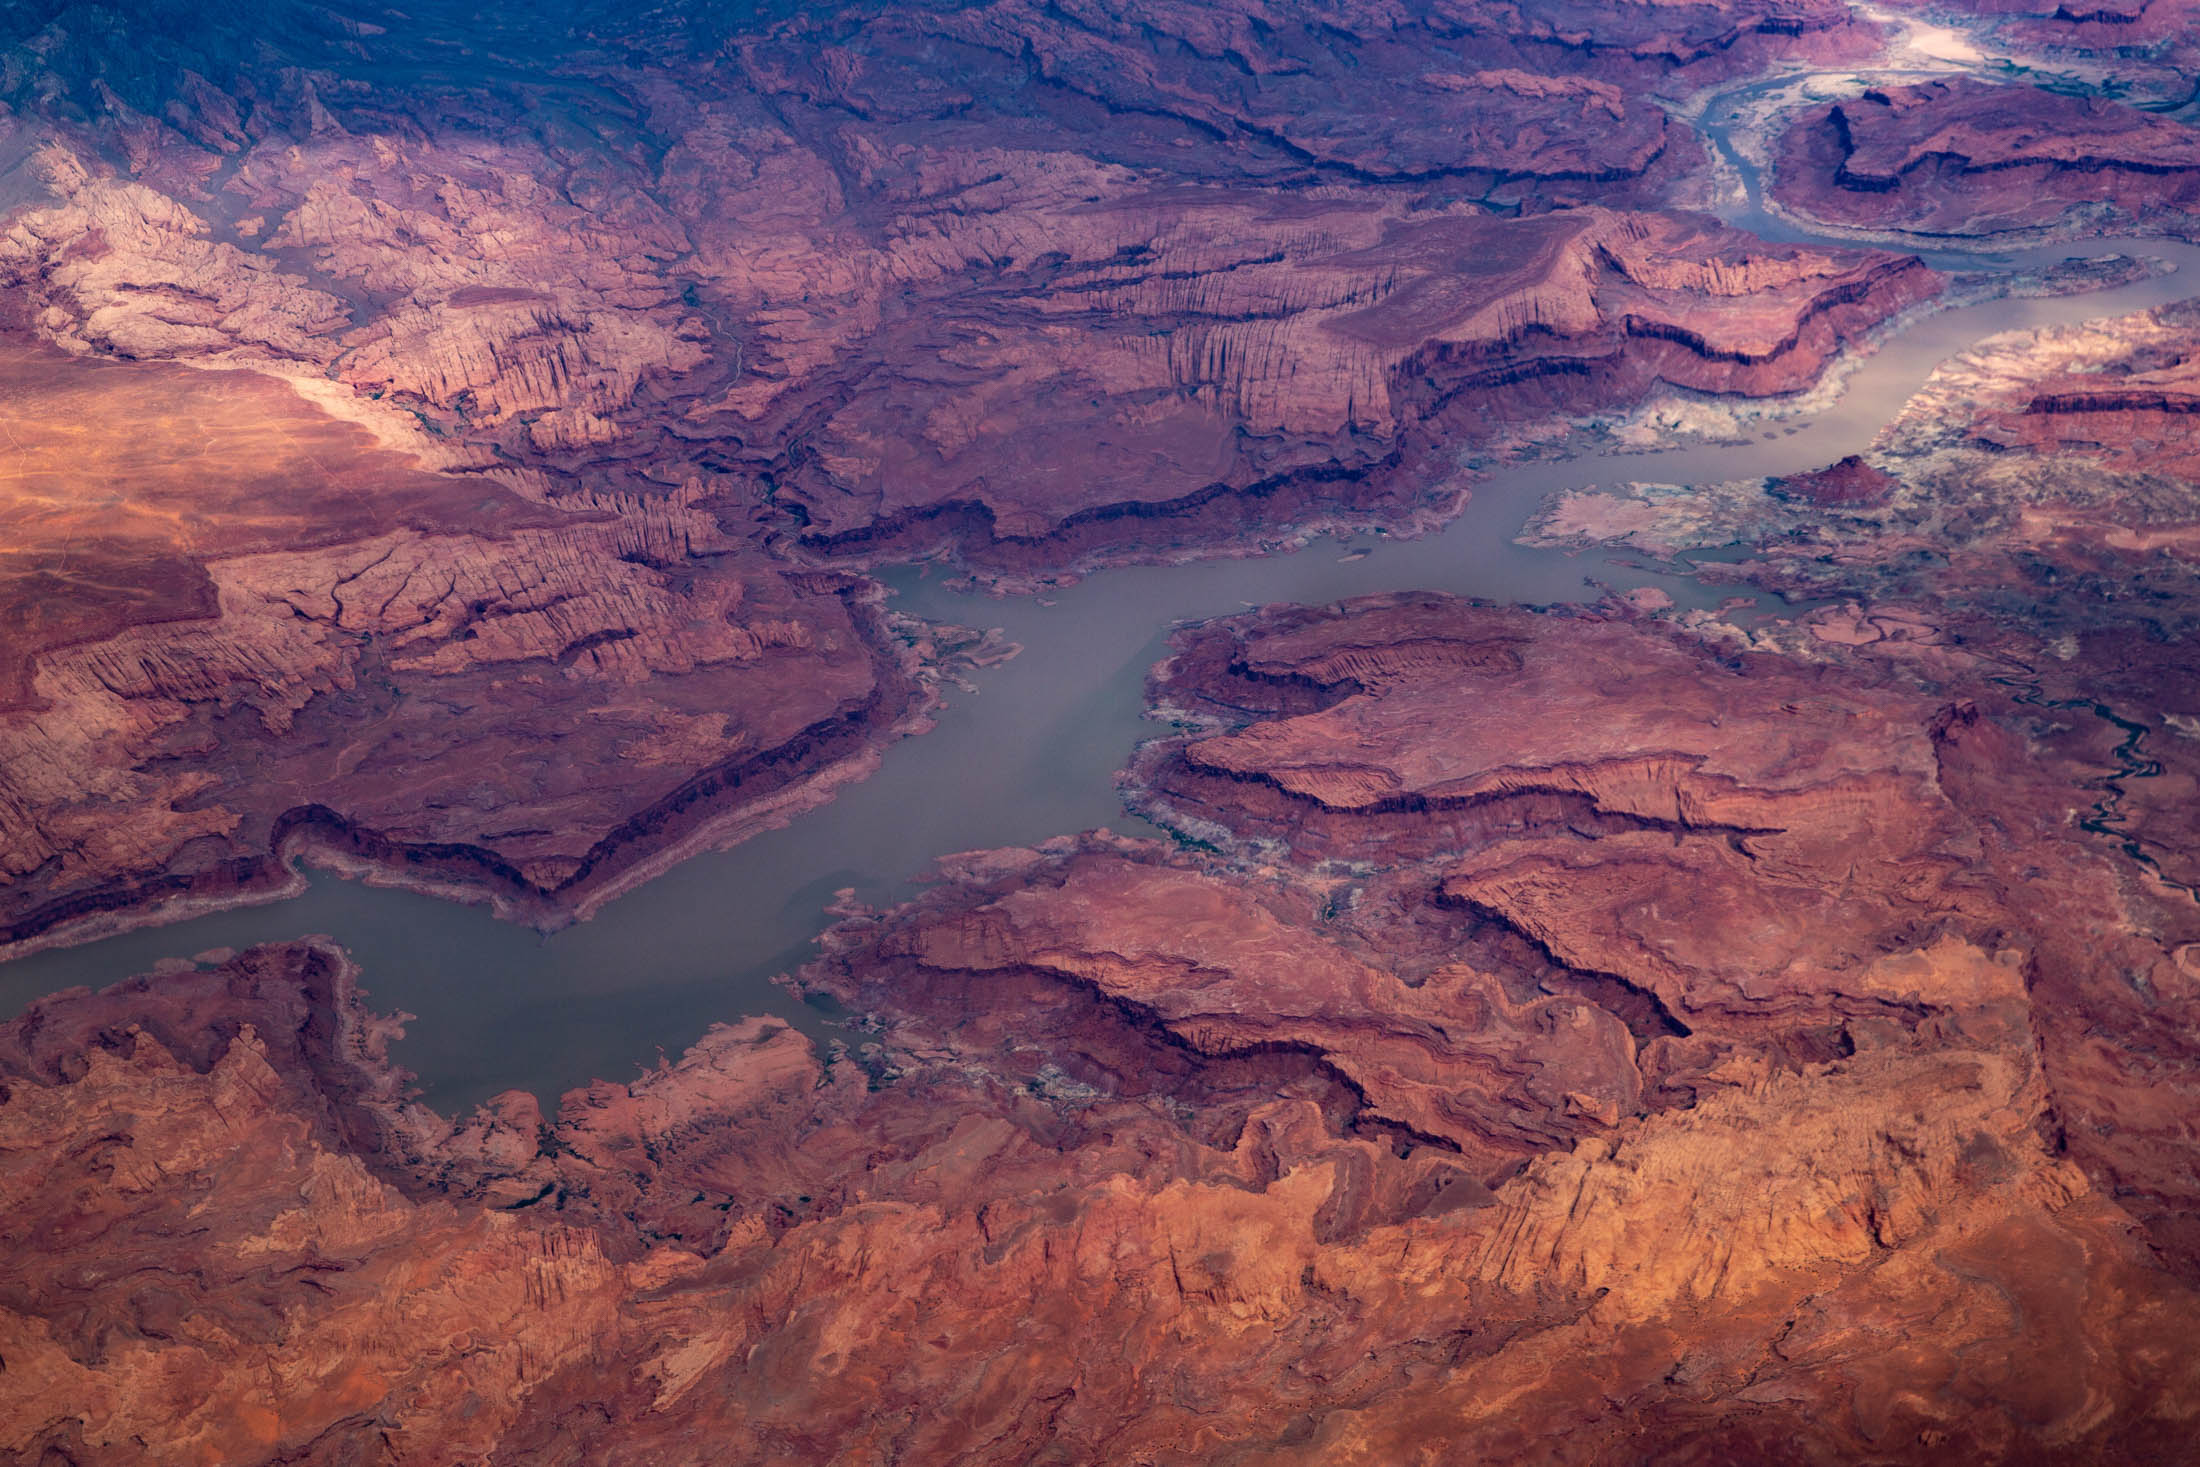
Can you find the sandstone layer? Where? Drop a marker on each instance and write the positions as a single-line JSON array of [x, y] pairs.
[[1969, 159]]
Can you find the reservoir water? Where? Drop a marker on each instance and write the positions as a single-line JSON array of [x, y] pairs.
[[1030, 755]]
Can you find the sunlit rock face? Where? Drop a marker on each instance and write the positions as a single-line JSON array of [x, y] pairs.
[[456, 444]]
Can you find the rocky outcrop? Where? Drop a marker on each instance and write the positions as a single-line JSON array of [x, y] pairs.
[[2121, 394], [277, 630], [1848, 483], [1715, 1092], [119, 269], [1697, 848], [1239, 363], [1968, 158], [2029, 567]]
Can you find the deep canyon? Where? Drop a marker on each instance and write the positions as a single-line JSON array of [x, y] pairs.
[[1462, 732]]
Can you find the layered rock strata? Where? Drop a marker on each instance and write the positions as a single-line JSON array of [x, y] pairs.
[[249, 626], [2028, 554], [1699, 1074], [1968, 159], [495, 395]]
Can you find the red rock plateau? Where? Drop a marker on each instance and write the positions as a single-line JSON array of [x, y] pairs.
[[440, 439], [2057, 470], [260, 627], [2029, 564], [2025, 526], [1526, 1071], [1583, 1037], [1969, 158]]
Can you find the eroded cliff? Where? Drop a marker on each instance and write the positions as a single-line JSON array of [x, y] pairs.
[[1967, 159]]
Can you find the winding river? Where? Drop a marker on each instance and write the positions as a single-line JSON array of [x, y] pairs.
[[1030, 755]]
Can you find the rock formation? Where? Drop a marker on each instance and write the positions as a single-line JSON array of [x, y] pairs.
[[1970, 159], [2141, 50], [268, 628], [2029, 561], [449, 444], [490, 422], [1495, 1144]]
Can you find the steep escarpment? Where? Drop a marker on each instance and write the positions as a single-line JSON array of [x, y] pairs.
[[1714, 838], [1328, 365], [1349, 1159], [1967, 158]]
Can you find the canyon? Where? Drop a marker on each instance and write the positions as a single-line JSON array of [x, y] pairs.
[[1736, 1005], [1972, 159], [617, 403]]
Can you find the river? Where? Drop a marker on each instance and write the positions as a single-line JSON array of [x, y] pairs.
[[1031, 754]]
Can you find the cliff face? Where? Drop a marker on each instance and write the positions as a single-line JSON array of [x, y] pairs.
[[1315, 362], [1968, 158], [431, 423], [1691, 1076]]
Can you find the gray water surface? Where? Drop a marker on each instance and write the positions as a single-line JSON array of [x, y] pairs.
[[1029, 756]]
